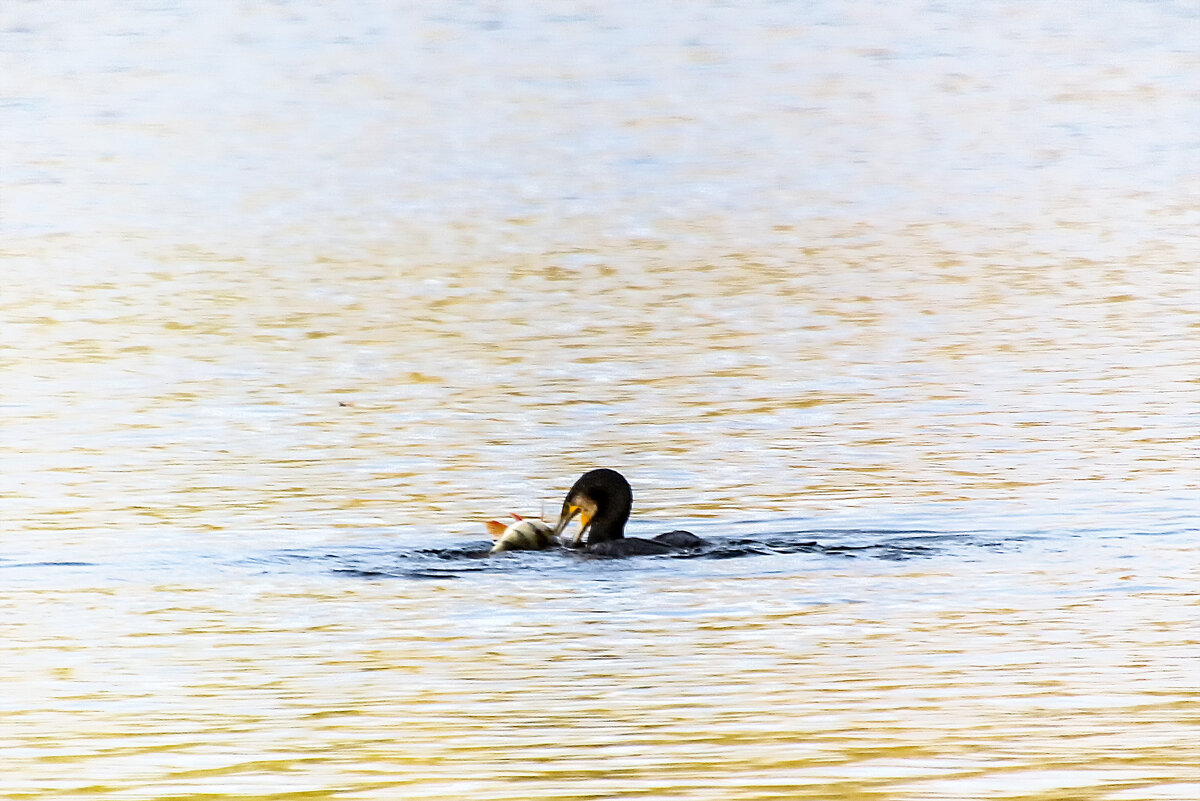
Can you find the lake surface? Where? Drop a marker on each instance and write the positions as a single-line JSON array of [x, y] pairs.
[[897, 304]]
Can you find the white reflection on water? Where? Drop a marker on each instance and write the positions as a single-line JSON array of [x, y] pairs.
[[296, 296]]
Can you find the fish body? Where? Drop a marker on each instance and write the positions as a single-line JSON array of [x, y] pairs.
[[522, 535]]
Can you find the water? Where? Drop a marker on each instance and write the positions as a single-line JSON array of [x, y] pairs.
[[894, 303]]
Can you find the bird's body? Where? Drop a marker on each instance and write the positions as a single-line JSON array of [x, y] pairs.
[[603, 499]]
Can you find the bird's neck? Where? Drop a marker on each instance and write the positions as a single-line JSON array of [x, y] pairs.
[[609, 525]]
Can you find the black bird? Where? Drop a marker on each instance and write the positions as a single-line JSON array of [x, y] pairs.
[[602, 499]]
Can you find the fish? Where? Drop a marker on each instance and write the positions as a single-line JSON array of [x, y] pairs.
[[522, 535]]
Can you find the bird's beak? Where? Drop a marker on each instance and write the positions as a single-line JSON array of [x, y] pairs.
[[569, 512]]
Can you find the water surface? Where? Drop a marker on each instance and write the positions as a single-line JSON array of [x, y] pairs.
[[896, 304]]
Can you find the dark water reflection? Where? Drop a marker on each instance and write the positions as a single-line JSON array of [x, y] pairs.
[[385, 561]]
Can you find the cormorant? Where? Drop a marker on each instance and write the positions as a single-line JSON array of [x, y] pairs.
[[602, 499]]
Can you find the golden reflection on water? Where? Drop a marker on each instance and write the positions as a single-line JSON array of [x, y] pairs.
[[296, 297], [858, 679], [184, 425], [830, 376]]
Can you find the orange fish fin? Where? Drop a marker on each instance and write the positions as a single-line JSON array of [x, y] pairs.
[[495, 528]]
